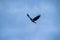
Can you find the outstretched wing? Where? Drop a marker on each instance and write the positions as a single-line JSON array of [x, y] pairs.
[[36, 18], [29, 17]]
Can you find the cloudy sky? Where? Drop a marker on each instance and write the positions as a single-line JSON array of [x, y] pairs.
[[15, 25]]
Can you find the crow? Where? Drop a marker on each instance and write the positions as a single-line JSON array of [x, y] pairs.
[[34, 19]]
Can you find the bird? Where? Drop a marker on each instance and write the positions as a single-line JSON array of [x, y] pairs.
[[34, 19]]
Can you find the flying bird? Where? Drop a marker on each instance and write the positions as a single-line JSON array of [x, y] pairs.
[[33, 19]]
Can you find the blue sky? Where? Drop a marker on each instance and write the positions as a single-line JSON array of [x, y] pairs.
[[15, 25]]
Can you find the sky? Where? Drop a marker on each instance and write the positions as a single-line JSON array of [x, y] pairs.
[[15, 25]]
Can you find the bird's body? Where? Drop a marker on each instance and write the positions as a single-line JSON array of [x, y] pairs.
[[34, 19]]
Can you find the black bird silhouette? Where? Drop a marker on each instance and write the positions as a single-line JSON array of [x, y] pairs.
[[34, 19]]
